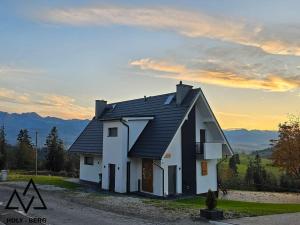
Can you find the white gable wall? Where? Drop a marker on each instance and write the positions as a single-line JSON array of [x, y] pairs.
[[90, 172], [115, 152], [203, 183]]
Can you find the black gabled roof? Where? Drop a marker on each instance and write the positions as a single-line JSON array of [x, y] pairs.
[[157, 135], [90, 140]]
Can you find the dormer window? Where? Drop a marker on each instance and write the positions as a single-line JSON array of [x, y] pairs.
[[112, 132]]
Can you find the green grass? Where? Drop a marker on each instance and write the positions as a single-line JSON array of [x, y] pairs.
[[233, 207], [40, 179]]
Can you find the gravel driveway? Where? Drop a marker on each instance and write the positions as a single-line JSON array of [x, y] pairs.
[[69, 208], [266, 197]]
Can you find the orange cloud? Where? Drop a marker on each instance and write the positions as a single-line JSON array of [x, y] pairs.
[[189, 23], [222, 78], [44, 104]]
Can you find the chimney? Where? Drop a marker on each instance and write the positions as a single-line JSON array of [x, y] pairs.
[[181, 92], [99, 108]]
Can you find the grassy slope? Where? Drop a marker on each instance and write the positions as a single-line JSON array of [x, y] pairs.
[[233, 207], [48, 180]]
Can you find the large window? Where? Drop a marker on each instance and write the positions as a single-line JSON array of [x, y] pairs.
[[112, 132], [88, 160]]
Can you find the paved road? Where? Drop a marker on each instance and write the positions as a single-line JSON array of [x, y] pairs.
[[279, 219], [65, 212]]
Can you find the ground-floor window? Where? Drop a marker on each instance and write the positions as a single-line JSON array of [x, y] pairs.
[[88, 160]]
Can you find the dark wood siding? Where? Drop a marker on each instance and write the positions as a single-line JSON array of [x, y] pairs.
[[188, 154]]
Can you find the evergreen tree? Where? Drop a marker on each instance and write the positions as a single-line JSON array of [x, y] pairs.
[[55, 149], [256, 174], [237, 158], [3, 153], [233, 161], [25, 151]]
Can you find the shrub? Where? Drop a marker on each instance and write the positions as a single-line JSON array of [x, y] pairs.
[[211, 201]]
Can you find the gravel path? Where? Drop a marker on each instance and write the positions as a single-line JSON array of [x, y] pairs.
[[266, 197], [77, 208]]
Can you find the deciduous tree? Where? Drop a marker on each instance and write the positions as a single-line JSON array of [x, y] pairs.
[[286, 153]]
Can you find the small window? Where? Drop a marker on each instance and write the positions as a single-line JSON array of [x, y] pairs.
[[88, 160], [112, 132], [204, 171]]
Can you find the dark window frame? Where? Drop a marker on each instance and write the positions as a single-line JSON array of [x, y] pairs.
[[87, 162], [112, 132]]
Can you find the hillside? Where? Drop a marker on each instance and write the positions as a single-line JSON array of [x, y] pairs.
[[68, 129], [247, 141], [241, 140]]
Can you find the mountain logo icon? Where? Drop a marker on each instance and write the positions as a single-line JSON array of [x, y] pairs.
[[26, 208]]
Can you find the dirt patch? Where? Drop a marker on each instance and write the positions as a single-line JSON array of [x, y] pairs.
[[263, 197]]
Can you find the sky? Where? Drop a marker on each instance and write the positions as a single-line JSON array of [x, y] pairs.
[[57, 57]]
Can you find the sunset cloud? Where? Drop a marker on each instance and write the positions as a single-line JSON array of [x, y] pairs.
[[10, 70], [192, 24], [269, 82], [44, 104]]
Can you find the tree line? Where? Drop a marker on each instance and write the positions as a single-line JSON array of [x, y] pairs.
[[285, 156], [22, 156]]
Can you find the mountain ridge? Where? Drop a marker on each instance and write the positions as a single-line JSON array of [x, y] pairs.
[[242, 140]]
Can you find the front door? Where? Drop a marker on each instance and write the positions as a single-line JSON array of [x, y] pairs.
[[172, 180], [147, 175], [112, 174]]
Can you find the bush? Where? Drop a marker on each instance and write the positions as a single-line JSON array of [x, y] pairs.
[[211, 201]]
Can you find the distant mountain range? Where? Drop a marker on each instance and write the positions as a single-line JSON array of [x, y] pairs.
[[241, 140], [13, 122]]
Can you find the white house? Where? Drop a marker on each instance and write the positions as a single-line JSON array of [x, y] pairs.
[[161, 145]]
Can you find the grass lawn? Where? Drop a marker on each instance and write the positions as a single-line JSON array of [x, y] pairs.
[[41, 179], [233, 207]]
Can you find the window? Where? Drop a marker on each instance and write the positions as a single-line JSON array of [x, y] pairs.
[[88, 160], [112, 132], [204, 171]]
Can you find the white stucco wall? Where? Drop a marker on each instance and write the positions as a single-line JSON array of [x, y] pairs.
[[90, 172], [172, 157], [136, 127], [115, 152], [210, 180], [157, 179], [135, 173]]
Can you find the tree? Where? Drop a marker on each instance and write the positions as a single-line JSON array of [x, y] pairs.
[[211, 201], [55, 151], [286, 153], [3, 152], [25, 152], [256, 173], [233, 161]]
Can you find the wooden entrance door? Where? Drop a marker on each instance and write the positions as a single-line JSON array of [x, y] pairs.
[[147, 175], [112, 174]]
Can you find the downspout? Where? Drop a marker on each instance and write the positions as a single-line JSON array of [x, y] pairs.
[[163, 178]]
